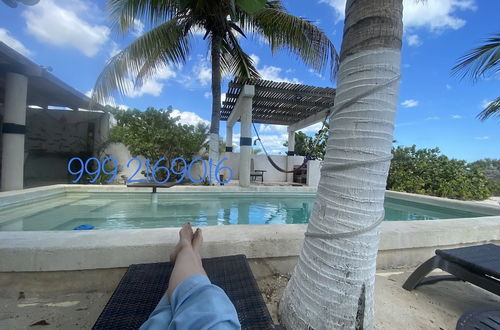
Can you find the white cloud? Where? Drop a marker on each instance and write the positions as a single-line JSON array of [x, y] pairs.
[[485, 103], [456, 117], [413, 40], [312, 129], [482, 138], [203, 72], [137, 28], [338, 6], [111, 101], [188, 118], [269, 72], [264, 128], [12, 42], [273, 143], [409, 103], [255, 59], [432, 118], [61, 24], [207, 95], [152, 86], [114, 49], [434, 15]]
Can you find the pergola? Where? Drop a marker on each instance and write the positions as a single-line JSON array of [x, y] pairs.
[[268, 102]]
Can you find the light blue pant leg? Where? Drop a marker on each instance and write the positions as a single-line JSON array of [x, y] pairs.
[[195, 304]]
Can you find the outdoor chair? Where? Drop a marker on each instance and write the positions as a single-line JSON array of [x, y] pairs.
[[480, 319], [254, 174], [479, 265], [143, 285]]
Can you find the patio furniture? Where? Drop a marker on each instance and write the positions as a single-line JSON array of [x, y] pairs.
[[254, 174], [143, 285], [480, 319], [479, 265]]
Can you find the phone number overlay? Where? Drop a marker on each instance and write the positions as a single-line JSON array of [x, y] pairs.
[[159, 173]]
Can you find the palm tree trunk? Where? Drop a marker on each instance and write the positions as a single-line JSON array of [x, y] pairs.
[[333, 283], [216, 102]]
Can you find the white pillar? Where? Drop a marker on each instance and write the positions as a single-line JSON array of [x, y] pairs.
[[13, 130], [246, 96], [229, 152], [229, 138], [290, 154]]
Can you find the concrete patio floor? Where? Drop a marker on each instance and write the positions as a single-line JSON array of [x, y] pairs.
[[73, 300]]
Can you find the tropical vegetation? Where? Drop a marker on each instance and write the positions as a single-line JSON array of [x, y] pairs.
[[480, 62], [427, 171], [314, 147], [172, 26], [155, 134], [491, 169]]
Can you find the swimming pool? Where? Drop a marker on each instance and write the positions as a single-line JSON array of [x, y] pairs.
[[145, 210]]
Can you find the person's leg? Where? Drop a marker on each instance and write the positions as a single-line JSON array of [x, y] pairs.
[[187, 257]]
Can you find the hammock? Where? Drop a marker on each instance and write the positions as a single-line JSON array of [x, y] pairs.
[[306, 158]]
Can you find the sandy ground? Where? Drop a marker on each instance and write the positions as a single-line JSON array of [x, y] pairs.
[[436, 306]]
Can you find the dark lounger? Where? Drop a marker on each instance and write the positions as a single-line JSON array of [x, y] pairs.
[[480, 319], [142, 286], [479, 265]]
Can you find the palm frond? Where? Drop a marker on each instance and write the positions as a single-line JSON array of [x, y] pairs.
[[166, 44], [124, 12], [297, 35], [491, 109], [234, 61], [480, 60]]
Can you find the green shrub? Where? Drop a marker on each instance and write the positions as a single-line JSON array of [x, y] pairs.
[[426, 171], [491, 169]]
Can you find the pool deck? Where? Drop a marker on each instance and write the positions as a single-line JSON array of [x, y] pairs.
[[66, 277], [74, 300], [403, 244]]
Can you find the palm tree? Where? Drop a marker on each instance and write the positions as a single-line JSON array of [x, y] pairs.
[[479, 62], [223, 21], [332, 284]]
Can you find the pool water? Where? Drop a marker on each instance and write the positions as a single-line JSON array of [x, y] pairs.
[[145, 210]]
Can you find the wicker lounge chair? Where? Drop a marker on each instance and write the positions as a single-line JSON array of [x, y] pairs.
[[143, 285], [480, 319], [479, 265]]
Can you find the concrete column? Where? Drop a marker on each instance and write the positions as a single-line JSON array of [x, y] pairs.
[[229, 138], [291, 143], [290, 154], [13, 130], [246, 96]]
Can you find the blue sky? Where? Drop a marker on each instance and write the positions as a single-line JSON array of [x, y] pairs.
[[74, 37]]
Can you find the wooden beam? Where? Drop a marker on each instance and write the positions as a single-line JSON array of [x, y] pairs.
[[234, 116], [326, 102], [316, 118], [326, 91]]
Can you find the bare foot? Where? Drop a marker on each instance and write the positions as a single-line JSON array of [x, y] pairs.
[[185, 238], [197, 240]]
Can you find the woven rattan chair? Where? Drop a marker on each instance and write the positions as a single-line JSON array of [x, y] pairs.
[[143, 285]]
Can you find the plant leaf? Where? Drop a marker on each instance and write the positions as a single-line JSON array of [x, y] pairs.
[[251, 6]]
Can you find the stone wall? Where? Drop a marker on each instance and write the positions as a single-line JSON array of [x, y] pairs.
[[55, 136]]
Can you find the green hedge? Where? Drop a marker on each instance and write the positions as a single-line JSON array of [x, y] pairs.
[[426, 171]]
